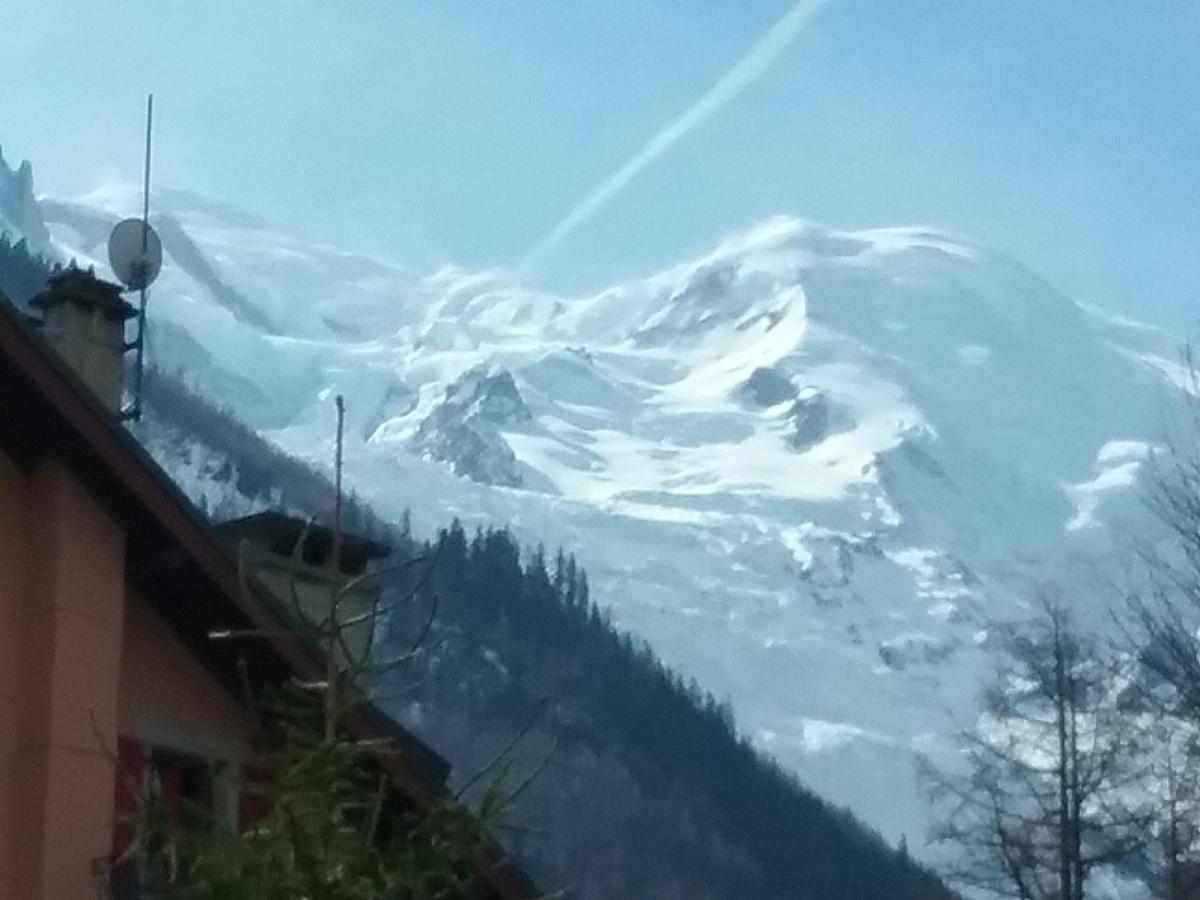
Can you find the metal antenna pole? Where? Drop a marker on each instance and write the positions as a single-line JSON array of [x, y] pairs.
[[337, 483], [332, 676], [139, 364], [146, 176]]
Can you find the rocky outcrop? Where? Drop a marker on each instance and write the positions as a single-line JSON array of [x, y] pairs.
[[813, 420], [915, 649], [706, 299], [812, 415], [464, 430], [766, 387], [19, 210]]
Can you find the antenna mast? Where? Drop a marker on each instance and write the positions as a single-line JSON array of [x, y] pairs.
[[135, 252], [140, 360], [332, 675], [337, 482], [146, 176]]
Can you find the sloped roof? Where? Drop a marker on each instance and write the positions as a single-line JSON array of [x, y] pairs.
[[283, 531], [173, 558]]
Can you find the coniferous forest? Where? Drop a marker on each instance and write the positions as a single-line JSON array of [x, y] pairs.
[[21, 273], [528, 630]]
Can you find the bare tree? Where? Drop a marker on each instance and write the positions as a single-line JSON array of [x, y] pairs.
[[1173, 797], [334, 827], [1163, 594], [1049, 770], [1162, 630]]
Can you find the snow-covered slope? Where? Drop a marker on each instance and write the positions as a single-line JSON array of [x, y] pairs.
[[810, 467]]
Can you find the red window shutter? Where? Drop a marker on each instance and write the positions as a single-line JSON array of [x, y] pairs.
[[171, 777], [254, 801], [127, 804]]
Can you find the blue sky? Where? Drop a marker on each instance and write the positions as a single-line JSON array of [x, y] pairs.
[[1062, 131]]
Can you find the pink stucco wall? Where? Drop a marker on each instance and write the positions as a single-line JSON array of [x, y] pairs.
[[81, 661], [165, 691], [13, 553], [69, 620]]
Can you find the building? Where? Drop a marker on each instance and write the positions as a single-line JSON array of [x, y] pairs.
[[110, 585]]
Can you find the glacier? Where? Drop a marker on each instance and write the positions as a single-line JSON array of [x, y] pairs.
[[815, 469]]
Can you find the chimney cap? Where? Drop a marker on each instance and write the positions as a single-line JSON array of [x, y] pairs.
[[74, 285], [281, 532]]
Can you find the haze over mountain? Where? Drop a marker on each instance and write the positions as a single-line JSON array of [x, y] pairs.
[[813, 468]]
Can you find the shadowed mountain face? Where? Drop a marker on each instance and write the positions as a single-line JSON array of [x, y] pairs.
[[20, 214], [811, 467]]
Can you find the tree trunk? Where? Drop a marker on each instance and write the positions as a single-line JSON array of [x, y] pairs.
[[1076, 799], [1065, 868]]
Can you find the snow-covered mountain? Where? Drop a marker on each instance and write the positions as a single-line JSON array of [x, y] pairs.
[[813, 468]]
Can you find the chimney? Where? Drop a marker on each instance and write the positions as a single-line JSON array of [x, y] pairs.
[[84, 320], [265, 544]]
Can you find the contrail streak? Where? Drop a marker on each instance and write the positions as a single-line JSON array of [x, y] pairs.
[[736, 79]]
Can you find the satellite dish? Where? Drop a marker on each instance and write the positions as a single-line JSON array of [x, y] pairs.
[[135, 253]]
